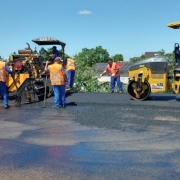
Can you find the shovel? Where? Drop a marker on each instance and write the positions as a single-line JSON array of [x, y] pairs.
[[44, 103]]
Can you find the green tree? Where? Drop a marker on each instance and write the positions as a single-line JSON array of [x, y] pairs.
[[118, 57], [142, 57], [161, 52], [170, 56], [100, 55], [135, 59], [85, 79], [93, 56], [35, 51], [43, 53]]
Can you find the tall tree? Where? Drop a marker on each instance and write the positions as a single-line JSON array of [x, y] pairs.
[[85, 75], [42, 52], [93, 56], [118, 57], [161, 52]]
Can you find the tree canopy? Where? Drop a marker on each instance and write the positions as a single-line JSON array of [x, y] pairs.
[[93, 56], [118, 57]]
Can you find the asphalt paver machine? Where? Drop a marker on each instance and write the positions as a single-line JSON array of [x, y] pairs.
[[29, 82]]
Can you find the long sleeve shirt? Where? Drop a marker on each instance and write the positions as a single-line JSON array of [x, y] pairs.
[[55, 52], [8, 70]]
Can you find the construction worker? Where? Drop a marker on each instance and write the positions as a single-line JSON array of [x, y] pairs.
[[70, 67], [113, 69], [58, 79], [4, 69], [55, 52]]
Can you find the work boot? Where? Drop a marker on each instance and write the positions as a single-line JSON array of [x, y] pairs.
[[68, 89], [63, 106], [55, 107], [6, 106]]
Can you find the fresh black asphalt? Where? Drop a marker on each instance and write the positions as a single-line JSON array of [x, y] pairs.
[[98, 136]]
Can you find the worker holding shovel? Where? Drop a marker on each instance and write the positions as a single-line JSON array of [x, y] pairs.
[[58, 79]]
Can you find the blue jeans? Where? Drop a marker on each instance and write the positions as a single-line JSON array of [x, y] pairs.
[[70, 76], [59, 95], [113, 83], [3, 92]]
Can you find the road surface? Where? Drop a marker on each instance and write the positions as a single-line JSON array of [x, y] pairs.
[[99, 136]]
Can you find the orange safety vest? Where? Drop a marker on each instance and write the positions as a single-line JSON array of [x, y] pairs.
[[70, 64], [2, 71], [56, 74], [112, 70]]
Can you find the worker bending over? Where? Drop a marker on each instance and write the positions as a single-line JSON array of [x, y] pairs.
[[58, 79], [4, 69], [113, 69]]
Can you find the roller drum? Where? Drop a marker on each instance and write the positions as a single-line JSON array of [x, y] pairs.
[[137, 93]]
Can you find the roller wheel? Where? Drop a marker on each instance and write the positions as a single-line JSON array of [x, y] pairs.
[[141, 93]]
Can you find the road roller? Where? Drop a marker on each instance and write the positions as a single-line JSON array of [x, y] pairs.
[[152, 75], [148, 76]]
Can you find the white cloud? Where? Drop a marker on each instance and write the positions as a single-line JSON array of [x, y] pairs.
[[84, 12]]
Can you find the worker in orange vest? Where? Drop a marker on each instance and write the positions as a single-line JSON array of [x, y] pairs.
[[4, 69], [113, 69], [58, 79], [70, 66]]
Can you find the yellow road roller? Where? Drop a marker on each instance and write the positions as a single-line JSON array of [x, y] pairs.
[[152, 75]]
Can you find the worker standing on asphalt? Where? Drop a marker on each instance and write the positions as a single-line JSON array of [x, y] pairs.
[[113, 69], [58, 79], [70, 66], [3, 70]]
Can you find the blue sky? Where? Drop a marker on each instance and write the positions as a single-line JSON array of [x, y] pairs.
[[127, 27]]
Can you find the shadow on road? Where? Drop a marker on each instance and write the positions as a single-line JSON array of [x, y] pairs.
[[163, 98], [71, 104]]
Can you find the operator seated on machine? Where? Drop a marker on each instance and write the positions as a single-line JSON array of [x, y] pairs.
[[53, 55], [55, 52]]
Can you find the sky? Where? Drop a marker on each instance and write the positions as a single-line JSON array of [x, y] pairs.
[[127, 27]]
